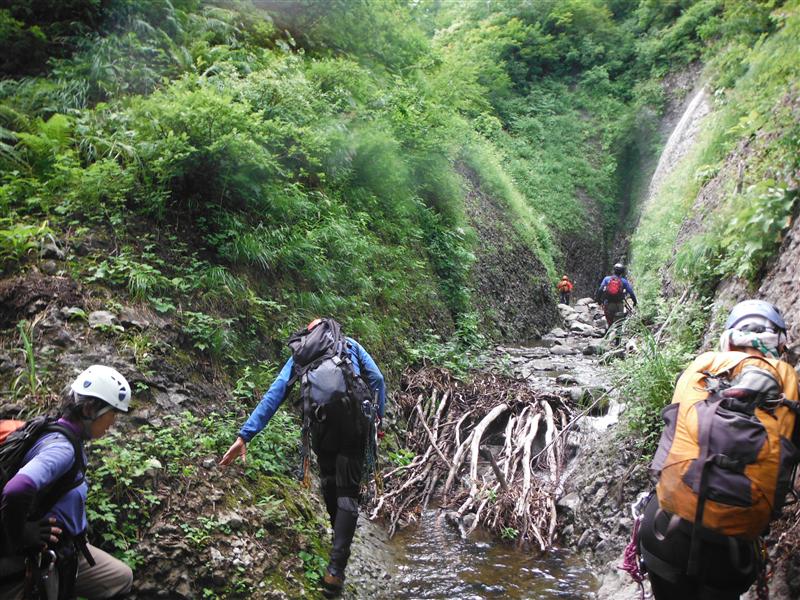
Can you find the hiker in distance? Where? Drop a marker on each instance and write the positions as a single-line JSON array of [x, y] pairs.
[[339, 380], [43, 505], [613, 293], [725, 463], [564, 288]]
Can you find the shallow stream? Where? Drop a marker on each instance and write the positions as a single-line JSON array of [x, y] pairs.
[[432, 560]]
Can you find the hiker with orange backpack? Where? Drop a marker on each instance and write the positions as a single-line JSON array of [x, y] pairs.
[[338, 382], [613, 293], [725, 463], [43, 547], [564, 288]]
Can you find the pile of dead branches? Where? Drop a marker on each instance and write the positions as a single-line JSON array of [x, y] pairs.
[[489, 447]]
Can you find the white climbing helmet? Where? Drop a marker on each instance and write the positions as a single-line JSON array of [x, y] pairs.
[[105, 383]]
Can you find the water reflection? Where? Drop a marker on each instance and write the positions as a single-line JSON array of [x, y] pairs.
[[433, 561]]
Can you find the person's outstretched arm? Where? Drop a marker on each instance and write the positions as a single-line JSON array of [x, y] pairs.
[[261, 415], [372, 374]]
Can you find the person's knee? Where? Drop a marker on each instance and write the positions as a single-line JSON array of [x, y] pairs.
[[347, 503], [120, 582]]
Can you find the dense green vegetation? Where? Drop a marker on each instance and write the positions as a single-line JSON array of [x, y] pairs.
[[753, 67], [747, 156]]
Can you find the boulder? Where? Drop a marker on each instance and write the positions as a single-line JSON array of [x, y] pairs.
[[102, 318], [133, 318], [563, 350], [232, 519], [582, 328], [584, 302], [593, 349], [571, 501], [558, 333]]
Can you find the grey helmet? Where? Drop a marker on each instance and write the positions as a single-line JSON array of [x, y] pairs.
[[753, 310], [619, 269]]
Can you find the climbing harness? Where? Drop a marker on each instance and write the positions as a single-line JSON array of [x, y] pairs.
[[632, 562], [764, 572]]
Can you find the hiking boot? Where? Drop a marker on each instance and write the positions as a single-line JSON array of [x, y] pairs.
[[332, 585]]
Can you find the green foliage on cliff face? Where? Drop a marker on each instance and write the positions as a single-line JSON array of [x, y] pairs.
[[311, 151], [242, 170], [746, 156]]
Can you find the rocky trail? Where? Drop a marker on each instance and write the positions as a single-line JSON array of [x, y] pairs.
[[444, 548]]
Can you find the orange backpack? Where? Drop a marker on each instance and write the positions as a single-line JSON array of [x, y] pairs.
[[7, 427], [726, 456]]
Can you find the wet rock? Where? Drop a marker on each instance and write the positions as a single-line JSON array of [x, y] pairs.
[[102, 318], [232, 519], [468, 520], [62, 339], [563, 350], [593, 349], [209, 463], [129, 317], [558, 333], [582, 328], [566, 380], [571, 501]]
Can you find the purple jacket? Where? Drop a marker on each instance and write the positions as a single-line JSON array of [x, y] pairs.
[[50, 458]]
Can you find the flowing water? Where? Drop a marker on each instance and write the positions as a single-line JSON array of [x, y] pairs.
[[440, 564], [431, 559]]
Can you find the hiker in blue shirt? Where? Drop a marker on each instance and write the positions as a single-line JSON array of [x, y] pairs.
[[334, 418], [612, 293]]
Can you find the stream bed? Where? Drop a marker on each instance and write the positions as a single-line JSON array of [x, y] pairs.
[[434, 561], [431, 559]]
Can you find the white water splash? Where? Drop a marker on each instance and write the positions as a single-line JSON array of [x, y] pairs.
[[680, 140]]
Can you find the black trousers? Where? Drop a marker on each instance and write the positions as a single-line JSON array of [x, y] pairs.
[[339, 441], [728, 567]]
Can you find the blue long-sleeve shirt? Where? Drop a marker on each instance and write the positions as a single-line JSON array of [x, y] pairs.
[[625, 285], [363, 365]]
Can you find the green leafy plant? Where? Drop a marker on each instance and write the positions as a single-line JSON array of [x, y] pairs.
[[509, 533], [313, 566], [207, 332], [648, 381], [27, 382], [18, 239]]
